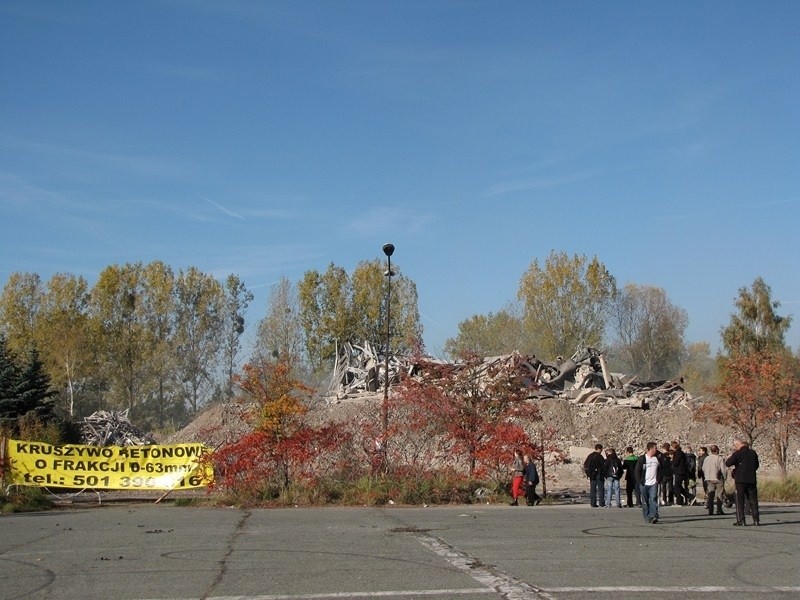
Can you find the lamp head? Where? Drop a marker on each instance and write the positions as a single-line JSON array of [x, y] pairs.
[[388, 249]]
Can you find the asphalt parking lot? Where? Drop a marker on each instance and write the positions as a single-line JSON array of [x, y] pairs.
[[161, 552]]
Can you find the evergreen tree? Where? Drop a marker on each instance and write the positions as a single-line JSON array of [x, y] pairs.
[[9, 380], [24, 389], [34, 393]]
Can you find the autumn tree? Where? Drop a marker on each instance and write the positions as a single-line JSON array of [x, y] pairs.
[[649, 332], [116, 311], [280, 332], [755, 327], [161, 391], [282, 446], [566, 303], [20, 305], [757, 393], [65, 337], [479, 411], [199, 323], [336, 308], [237, 300], [489, 335], [324, 313]]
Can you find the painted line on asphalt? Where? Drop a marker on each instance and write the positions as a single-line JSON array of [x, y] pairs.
[[703, 589], [497, 581], [382, 594]]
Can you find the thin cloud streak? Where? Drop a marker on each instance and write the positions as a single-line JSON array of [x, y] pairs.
[[222, 208]]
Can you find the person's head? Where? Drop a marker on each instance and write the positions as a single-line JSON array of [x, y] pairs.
[[629, 450], [611, 452], [517, 452], [665, 447], [651, 449], [598, 447], [740, 443], [675, 445], [526, 458], [703, 450], [714, 449], [689, 449]]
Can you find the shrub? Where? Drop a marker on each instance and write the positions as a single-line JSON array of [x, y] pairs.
[[779, 490]]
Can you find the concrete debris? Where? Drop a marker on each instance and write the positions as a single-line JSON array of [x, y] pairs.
[[361, 370], [582, 379], [104, 428]]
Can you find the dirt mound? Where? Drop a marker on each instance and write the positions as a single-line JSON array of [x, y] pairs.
[[578, 427]]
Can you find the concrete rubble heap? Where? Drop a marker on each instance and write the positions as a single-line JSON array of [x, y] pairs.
[[583, 378], [104, 428]]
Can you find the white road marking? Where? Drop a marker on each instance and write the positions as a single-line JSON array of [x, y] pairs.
[[497, 581]]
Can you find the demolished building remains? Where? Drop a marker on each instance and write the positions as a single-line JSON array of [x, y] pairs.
[[584, 378]]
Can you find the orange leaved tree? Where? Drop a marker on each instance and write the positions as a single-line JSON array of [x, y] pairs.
[[759, 396], [282, 446]]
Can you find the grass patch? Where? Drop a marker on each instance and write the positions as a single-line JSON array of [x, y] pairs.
[[25, 499], [778, 490]]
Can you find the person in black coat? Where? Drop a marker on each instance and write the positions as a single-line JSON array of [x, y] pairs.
[[665, 486], [744, 461], [680, 475], [531, 480], [631, 487], [593, 467]]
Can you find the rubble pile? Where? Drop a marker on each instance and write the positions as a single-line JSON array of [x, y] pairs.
[[581, 379], [361, 370], [104, 428]]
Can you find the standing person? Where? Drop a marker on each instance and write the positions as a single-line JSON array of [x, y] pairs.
[[593, 467], [631, 489], [744, 461], [691, 475], [612, 471], [648, 475], [713, 473], [679, 475], [517, 473], [531, 480], [702, 452], [665, 484]]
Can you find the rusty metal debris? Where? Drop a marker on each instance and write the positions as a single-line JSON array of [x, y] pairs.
[[104, 428], [583, 378]]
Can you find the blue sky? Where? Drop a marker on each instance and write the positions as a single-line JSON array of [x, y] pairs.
[[270, 138]]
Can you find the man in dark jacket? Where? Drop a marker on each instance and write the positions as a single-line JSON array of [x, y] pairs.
[[680, 478], [531, 480], [631, 487], [744, 461], [665, 485], [593, 467]]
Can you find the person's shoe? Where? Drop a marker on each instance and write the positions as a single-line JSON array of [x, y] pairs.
[[537, 502], [529, 504], [513, 502], [654, 522], [757, 523], [738, 523]]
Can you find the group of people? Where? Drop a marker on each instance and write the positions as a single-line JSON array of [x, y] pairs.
[[671, 473]]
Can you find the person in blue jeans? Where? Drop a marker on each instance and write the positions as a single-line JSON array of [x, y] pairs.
[[648, 476], [612, 471], [593, 467]]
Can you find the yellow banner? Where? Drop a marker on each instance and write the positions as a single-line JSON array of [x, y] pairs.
[[109, 467]]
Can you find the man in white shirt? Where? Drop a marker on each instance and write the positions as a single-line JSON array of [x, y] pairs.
[[648, 476]]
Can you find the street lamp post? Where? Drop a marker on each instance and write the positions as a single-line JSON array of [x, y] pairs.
[[388, 250]]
